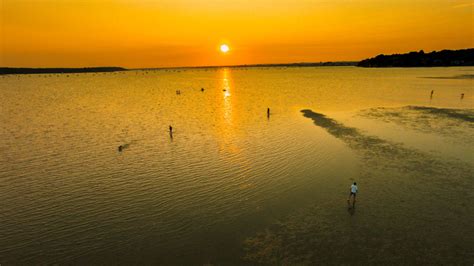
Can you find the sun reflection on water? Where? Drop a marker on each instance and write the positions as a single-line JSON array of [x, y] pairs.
[[227, 128], [227, 99]]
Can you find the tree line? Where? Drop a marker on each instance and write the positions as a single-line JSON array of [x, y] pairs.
[[464, 57]]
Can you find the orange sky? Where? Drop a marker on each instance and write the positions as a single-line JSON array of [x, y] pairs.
[[156, 33]]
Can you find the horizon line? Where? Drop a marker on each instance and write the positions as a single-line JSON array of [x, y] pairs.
[[321, 63]]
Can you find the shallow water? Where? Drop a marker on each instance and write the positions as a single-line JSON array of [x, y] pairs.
[[231, 185]]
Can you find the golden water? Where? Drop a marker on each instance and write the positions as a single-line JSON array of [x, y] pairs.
[[228, 172]]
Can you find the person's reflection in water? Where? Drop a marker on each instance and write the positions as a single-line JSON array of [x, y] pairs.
[[352, 210]]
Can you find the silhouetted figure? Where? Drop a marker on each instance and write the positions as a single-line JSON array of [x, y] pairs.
[[268, 112], [171, 132], [462, 96], [432, 91], [120, 148], [202, 89]]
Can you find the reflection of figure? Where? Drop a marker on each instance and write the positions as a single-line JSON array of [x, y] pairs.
[[353, 192], [351, 210], [462, 96], [268, 112], [432, 91]]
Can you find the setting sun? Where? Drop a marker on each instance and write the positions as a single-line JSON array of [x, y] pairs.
[[224, 48]]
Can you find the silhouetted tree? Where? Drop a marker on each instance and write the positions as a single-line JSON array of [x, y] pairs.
[[463, 57]]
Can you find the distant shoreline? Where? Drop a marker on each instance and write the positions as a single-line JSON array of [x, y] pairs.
[[309, 64], [13, 70], [21, 70]]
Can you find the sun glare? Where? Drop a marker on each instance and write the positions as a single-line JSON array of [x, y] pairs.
[[224, 48]]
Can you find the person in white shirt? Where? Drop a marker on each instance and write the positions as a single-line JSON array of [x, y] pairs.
[[353, 192]]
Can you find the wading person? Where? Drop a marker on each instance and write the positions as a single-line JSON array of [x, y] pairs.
[[353, 192]]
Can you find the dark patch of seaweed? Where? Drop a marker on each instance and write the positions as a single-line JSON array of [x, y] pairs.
[[465, 115], [466, 76], [451, 123], [382, 153]]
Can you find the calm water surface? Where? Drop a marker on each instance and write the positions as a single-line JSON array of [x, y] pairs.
[[231, 185]]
